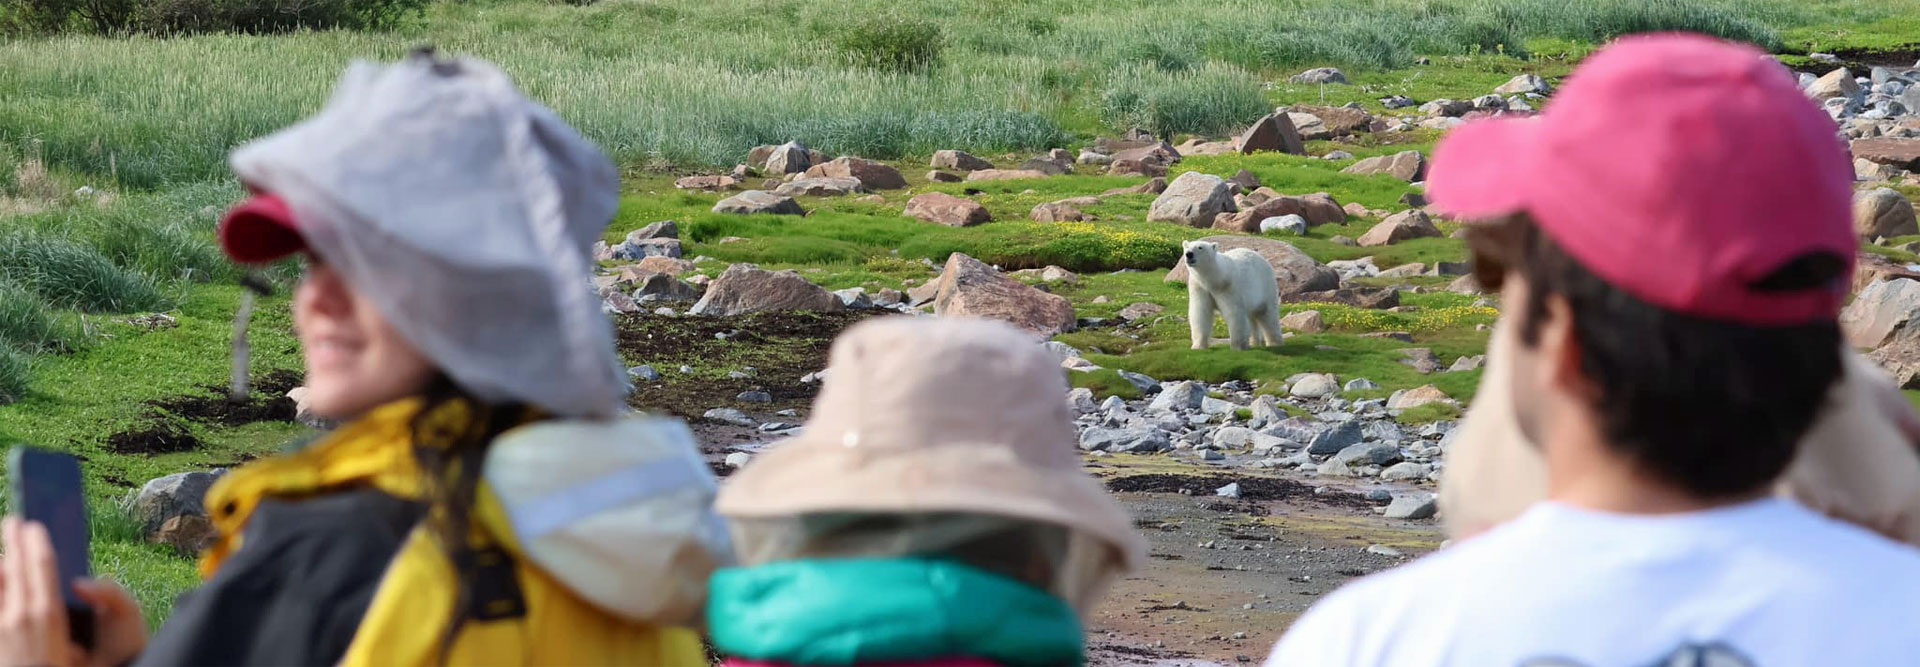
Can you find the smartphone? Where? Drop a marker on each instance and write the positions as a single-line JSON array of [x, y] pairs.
[[45, 487]]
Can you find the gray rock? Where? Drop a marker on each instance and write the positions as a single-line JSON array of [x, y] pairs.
[[1333, 468], [1319, 75], [1472, 363], [1384, 550], [1380, 495], [1286, 224], [1266, 411], [635, 250], [1315, 386], [730, 416], [755, 397], [175, 495], [1361, 384], [1438, 429], [759, 201], [819, 186], [1298, 429], [643, 373], [1217, 407], [1490, 103], [1212, 455], [855, 298], [1139, 440], [1181, 396], [1113, 404], [1368, 453], [738, 459], [789, 158], [1412, 506], [1523, 84], [1193, 199], [660, 287], [1332, 440], [1382, 430], [1406, 472], [1082, 400], [1228, 491], [1146, 385], [664, 229], [1398, 102], [1335, 156], [745, 288], [1233, 437]]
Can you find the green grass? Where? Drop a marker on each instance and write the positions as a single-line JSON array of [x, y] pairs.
[[1105, 382]]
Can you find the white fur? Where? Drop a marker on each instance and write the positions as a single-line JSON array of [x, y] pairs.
[[1239, 283]]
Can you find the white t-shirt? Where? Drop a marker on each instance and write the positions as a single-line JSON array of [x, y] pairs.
[[1761, 584]]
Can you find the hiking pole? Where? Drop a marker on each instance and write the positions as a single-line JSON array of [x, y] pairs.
[[238, 391]]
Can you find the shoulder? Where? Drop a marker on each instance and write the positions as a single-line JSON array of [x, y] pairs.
[[1364, 615]]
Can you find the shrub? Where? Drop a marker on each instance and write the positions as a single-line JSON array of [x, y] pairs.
[[893, 43], [70, 275], [14, 367], [27, 324]]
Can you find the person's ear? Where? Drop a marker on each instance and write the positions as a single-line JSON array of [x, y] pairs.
[[1560, 354]]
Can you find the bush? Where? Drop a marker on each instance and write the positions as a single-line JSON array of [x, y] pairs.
[[27, 324], [893, 43], [70, 275], [176, 17]]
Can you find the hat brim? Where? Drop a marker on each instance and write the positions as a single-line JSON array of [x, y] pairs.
[[807, 477], [260, 230], [1481, 170]]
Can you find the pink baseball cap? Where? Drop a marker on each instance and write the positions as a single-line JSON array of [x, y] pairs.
[[1679, 168], [259, 230]]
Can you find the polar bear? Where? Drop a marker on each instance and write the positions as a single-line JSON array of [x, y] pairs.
[[1240, 284]]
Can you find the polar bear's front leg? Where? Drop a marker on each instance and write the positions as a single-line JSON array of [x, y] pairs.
[[1200, 314]]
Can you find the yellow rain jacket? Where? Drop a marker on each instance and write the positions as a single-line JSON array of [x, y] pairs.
[[593, 542]]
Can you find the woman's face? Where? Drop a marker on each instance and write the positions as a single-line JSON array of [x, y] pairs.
[[356, 360]]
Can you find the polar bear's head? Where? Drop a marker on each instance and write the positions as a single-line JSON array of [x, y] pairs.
[[1201, 253]]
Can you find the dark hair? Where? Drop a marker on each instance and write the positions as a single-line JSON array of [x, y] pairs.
[[450, 453], [1714, 407]]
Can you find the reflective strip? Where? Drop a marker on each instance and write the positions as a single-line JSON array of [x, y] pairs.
[[533, 518]]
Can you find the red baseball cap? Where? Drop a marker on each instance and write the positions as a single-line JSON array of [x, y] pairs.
[[260, 229], [1679, 168]]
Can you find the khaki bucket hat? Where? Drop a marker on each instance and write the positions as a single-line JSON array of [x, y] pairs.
[[923, 415]]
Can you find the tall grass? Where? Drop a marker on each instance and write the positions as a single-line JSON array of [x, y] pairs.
[[71, 275], [14, 368], [28, 325]]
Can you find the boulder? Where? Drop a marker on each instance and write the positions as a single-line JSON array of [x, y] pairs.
[[1047, 165], [188, 534], [946, 209], [656, 247], [971, 288], [1900, 153], [1421, 359], [1837, 83], [938, 176], [667, 265], [1317, 209], [1339, 121], [789, 158], [1445, 108], [1408, 166], [1466, 284], [706, 183], [759, 201], [1004, 174], [1135, 440], [1247, 180], [1284, 224], [664, 229], [757, 158], [1150, 160], [1183, 396], [1065, 210], [1402, 226], [1473, 363], [1306, 321], [872, 174], [1153, 186], [1294, 270], [1870, 267], [1096, 159], [1332, 440], [1193, 199], [1050, 274], [855, 298], [1413, 506], [1142, 310], [1880, 311], [172, 496], [958, 161], [1361, 384], [660, 287], [1522, 84], [1275, 132], [732, 417], [1368, 453], [1868, 170], [1314, 385], [1319, 75], [819, 186], [745, 288], [1883, 212], [1375, 298], [1416, 397]]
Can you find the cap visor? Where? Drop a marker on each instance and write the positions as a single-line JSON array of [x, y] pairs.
[[1483, 169], [260, 230]]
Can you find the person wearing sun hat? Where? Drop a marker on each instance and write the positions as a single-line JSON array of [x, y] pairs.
[[933, 511], [484, 500], [1677, 244]]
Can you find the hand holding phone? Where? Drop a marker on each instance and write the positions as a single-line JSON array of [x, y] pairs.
[[45, 490], [33, 617]]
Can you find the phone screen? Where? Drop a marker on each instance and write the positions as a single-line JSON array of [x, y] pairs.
[[46, 489]]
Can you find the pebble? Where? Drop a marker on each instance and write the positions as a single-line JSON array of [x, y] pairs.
[[789, 412], [1384, 550], [731, 416], [686, 369], [738, 459], [1212, 455], [1228, 491], [755, 397], [643, 373], [1380, 495]]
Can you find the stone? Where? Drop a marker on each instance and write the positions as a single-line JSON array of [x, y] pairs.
[[1522, 84], [759, 201], [1883, 212], [1361, 384], [1374, 298], [1368, 453], [188, 534], [1316, 209], [1305, 321], [1193, 199], [1446, 108], [1050, 274], [1081, 399], [1837, 83], [1212, 455], [938, 176], [1092, 158], [643, 373], [1413, 506], [971, 288], [1216, 407], [1398, 102], [1153, 186], [642, 249], [1402, 226], [615, 301], [1421, 359], [1334, 469], [888, 298], [745, 288], [958, 161], [1408, 166], [1336, 121], [1274, 132], [1416, 397], [855, 298], [789, 158], [1384, 550], [738, 459], [1316, 385], [1295, 271], [819, 186], [1450, 269], [872, 174], [1183, 396], [1004, 174], [1868, 170], [1473, 363], [1135, 440], [1490, 103], [1247, 180], [1062, 211], [1405, 270], [1337, 155], [175, 495], [755, 397], [671, 266], [1900, 153], [1231, 490], [706, 183], [661, 287], [1466, 284], [1140, 311], [946, 209], [1407, 471], [1880, 311], [1140, 381], [1048, 166], [731, 416], [1290, 223], [1266, 411], [1321, 75]]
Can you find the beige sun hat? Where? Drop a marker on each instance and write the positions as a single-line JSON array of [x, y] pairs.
[[937, 415]]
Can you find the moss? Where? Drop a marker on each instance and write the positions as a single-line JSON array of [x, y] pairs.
[[1105, 382], [1431, 412]]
